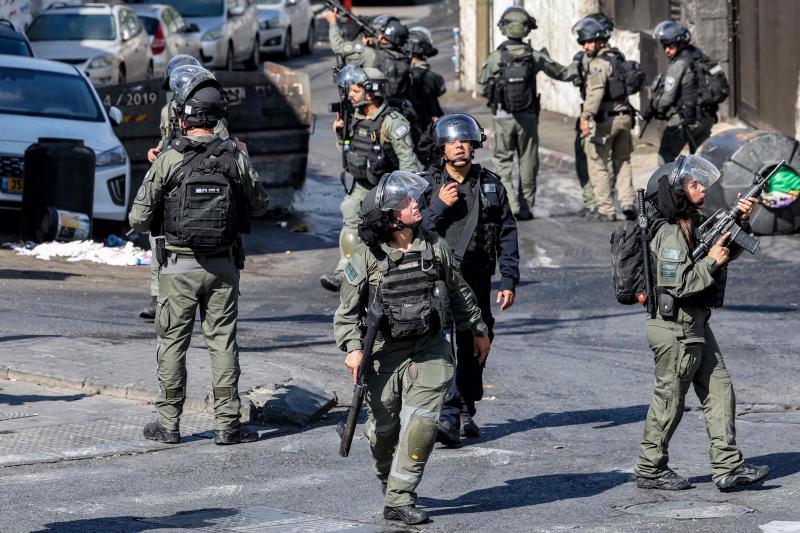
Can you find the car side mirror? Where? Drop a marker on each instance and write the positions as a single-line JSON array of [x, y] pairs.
[[290, 3], [236, 11], [192, 28], [115, 115], [125, 35]]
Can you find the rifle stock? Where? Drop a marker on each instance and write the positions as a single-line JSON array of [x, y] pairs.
[[348, 429], [361, 22]]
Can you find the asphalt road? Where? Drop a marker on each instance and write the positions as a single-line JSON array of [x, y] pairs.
[[568, 385]]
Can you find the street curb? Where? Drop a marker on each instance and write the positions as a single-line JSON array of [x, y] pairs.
[[554, 158]]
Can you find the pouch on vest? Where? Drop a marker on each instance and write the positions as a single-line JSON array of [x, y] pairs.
[[516, 85]]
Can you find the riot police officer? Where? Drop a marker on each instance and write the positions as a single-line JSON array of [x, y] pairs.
[[200, 251], [408, 272], [468, 206], [350, 46], [426, 86], [508, 80], [675, 95], [391, 57], [606, 121], [378, 140], [685, 349]]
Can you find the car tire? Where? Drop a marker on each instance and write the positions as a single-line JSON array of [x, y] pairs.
[[255, 58], [229, 59], [287, 45], [122, 78], [308, 47]]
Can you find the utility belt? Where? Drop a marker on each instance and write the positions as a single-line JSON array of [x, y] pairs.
[[234, 253], [603, 115]]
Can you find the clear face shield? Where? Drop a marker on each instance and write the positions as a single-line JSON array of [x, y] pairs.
[[399, 189], [424, 31], [693, 171], [186, 78], [457, 127], [349, 75]]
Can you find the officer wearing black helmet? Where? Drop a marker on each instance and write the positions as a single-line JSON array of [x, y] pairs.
[[198, 196], [391, 57], [676, 96], [508, 80], [410, 273], [606, 121], [426, 86], [468, 206], [348, 42]]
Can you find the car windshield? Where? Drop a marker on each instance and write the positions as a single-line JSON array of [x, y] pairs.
[[150, 24], [14, 47], [47, 94], [72, 27], [195, 8]]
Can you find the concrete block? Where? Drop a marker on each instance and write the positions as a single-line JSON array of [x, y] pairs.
[[297, 402]]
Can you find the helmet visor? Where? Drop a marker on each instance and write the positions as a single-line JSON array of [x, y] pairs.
[[181, 60], [349, 75], [399, 188], [694, 170], [184, 80], [588, 29], [424, 31], [457, 127]]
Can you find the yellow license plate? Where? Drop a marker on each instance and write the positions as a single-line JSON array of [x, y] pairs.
[[13, 185]]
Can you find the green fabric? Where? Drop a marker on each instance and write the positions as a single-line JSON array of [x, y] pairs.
[[785, 180]]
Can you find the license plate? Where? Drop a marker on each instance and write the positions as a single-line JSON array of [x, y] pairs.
[[12, 185]]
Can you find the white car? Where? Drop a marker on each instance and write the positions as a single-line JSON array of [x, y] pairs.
[[228, 30], [169, 34], [284, 23], [40, 98], [107, 42]]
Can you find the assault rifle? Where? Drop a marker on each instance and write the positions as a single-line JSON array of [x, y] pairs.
[[649, 297], [348, 429], [727, 220], [344, 109], [361, 22]]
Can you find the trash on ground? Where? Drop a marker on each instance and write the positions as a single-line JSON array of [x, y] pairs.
[[95, 252]]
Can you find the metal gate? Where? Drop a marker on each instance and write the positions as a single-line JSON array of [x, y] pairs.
[[767, 59]]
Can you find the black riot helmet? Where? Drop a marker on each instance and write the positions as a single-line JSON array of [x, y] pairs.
[[670, 33], [458, 127], [390, 28], [516, 23], [589, 29], [206, 105], [391, 193], [604, 20], [420, 42]]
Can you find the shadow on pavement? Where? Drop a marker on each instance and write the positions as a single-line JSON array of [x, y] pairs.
[[761, 308], [133, 524], [7, 273], [603, 418], [524, 492], [7, 399], [11, 338]]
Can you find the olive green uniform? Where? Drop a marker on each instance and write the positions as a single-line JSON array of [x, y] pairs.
[[351, 52], [518, 133], [408, 380], [610, 124], [396, 131], [578, 71], [190, 281], [679, 81], [686, 353]]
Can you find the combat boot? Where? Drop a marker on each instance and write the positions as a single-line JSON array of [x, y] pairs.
[[601, 217], [669, 481], [629, 212], [234, 436], [448, 433], [155, 431], [744, 474], [409, 514], [149, 312], [524, 214], [469, 428], [331, 282]]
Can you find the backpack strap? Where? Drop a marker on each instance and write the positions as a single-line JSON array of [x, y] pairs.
[[192, 162]]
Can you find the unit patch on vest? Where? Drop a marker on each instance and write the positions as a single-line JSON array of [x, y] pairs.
[[207, 190], [406, 266], [668, 270], [670, 254], [351, 273], [141, 194], [489, 187], [669, 83], [401, 130]]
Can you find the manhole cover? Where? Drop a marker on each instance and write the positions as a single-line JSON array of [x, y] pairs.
[[682, 510], [772, 417]]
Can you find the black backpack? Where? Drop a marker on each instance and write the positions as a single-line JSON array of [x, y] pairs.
[[626, 261], [205, 209], [515, 89], [397, 69], [712, 85], [627, 77]]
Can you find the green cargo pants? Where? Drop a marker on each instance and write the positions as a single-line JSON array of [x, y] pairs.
[[674, 139], [679, 365], [212, 286], [405, 392], [517, 135], [351, 216], [154, 269]]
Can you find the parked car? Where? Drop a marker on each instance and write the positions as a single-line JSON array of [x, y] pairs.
[[228, 30], [107, 42], [13, 42], [169, 34], [40, 98], [282, 23]]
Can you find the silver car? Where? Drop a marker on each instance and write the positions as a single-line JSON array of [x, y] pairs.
[[107, 42], [284, 23], [228, 30], [169, 34]]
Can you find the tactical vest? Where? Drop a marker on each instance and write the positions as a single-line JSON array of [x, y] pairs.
[[396, 66], [516, 84], [410, 295], [204, 206], [368, 159], [686, 104], [626, 79]]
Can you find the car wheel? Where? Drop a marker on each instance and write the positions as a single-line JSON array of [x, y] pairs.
[[229, 59], [287, 45], [255, 58], [308, 46], [122, 79]]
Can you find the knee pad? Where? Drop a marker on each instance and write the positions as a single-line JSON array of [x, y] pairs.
[[421, 437]]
